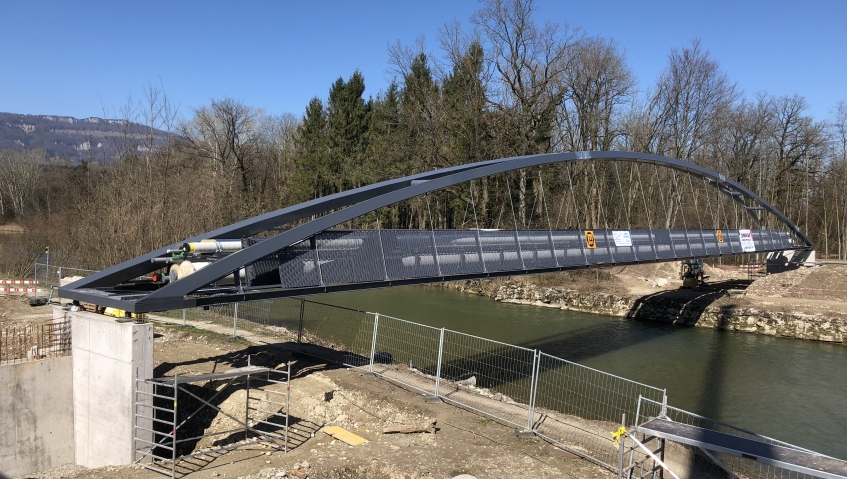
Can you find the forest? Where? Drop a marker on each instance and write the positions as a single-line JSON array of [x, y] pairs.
[[504, 84]]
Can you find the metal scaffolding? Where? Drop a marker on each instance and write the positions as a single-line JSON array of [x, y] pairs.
[[157, 423]]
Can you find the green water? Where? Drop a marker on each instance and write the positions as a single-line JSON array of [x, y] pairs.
[[791, 390]]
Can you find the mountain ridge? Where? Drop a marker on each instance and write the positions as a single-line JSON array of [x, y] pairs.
[[77, 139]]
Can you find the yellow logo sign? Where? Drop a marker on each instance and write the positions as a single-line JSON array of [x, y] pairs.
[[589, 239], [719, 234]]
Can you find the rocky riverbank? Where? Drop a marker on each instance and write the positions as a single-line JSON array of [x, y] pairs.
[[722, 306]]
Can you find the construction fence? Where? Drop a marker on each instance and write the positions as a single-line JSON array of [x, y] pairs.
[[48, 275], [568, 404]]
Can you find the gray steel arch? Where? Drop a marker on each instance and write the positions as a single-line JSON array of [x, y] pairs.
[[357, 202]]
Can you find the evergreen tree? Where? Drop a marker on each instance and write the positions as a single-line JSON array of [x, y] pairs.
[[347, 124], [311, 175]]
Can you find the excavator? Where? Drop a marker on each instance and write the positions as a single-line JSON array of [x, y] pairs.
[[691, 272]]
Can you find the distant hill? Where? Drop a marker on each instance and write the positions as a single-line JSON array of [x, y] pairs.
[[73, 138]]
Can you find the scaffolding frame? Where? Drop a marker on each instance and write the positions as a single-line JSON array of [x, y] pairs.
[[155, 448]]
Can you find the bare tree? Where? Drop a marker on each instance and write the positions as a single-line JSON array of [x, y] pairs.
[[19, 175], [693, 96], [531, 61], [224, 133], [598, 84]]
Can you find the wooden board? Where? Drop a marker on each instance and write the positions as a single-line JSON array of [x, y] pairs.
[[344, 435]]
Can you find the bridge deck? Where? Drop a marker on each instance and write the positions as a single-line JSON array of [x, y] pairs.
[[343, 260], [786, 458]]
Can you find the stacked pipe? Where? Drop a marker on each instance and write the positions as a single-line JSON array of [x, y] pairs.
[[181, 269]]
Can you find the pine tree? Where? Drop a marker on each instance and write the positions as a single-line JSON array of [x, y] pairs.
[[310, 178], [348, 118]]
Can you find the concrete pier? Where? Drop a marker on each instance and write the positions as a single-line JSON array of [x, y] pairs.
[[108, 355]]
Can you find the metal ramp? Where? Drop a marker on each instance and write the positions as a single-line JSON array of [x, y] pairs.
[[800, 461]]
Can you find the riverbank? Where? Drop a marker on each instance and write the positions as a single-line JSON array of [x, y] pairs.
[[809, 303]]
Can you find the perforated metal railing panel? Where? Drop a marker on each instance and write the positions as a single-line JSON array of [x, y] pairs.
[[359, 256]]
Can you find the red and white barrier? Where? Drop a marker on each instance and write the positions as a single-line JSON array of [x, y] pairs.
[[17, 281], [19, 290]]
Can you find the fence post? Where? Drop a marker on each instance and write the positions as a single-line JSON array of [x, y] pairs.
[[300, 328], [235, 320], [533, 387], [373, 341], [438, 366], [621, 448], [665, 403], [183, 316]]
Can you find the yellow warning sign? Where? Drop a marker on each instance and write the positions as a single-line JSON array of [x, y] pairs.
[[719, 234], [589, 240]]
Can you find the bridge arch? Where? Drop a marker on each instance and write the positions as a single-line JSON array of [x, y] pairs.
[[105, 287]]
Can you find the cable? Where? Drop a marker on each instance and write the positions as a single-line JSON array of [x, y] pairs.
[[549, 228], [515, 219]]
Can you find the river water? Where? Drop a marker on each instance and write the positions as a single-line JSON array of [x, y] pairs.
[[792, 390]]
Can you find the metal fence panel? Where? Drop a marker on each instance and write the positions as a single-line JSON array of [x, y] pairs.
[[679, 238], [664, 246], [569, 246], [578, 406], [335, 333], [404, 352], [48, 275], [487, 376]]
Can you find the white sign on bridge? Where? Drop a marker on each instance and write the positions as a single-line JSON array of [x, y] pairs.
[[622, 238], [747, 243]]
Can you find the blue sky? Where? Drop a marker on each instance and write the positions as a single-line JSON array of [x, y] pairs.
[[85, 58]]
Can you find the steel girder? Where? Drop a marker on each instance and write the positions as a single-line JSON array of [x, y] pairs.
[[349, 205]]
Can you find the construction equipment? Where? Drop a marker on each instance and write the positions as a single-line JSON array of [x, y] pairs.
[[691, 272]]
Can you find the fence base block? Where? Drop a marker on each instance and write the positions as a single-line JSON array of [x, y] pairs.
[[368, 373], [524, 433], [432, 399]]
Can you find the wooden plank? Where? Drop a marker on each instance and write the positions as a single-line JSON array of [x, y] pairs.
[[344, 435]]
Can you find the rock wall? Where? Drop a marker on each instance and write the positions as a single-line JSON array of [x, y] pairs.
[[704, 311]]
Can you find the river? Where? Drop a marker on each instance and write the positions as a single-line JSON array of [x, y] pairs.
[[792, 390]]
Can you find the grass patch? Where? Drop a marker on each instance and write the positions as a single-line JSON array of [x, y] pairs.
[[211, 335]]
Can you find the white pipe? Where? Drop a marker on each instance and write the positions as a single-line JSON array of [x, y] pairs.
[[188, 267], [212, 246]]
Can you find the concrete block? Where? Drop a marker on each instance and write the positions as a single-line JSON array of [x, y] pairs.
[[36, 416], [107, 361]]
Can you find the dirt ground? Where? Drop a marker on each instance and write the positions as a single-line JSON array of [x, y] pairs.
[[15, 309], [325, 395]]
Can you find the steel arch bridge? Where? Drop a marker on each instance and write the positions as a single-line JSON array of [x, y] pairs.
[[259, 259]]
